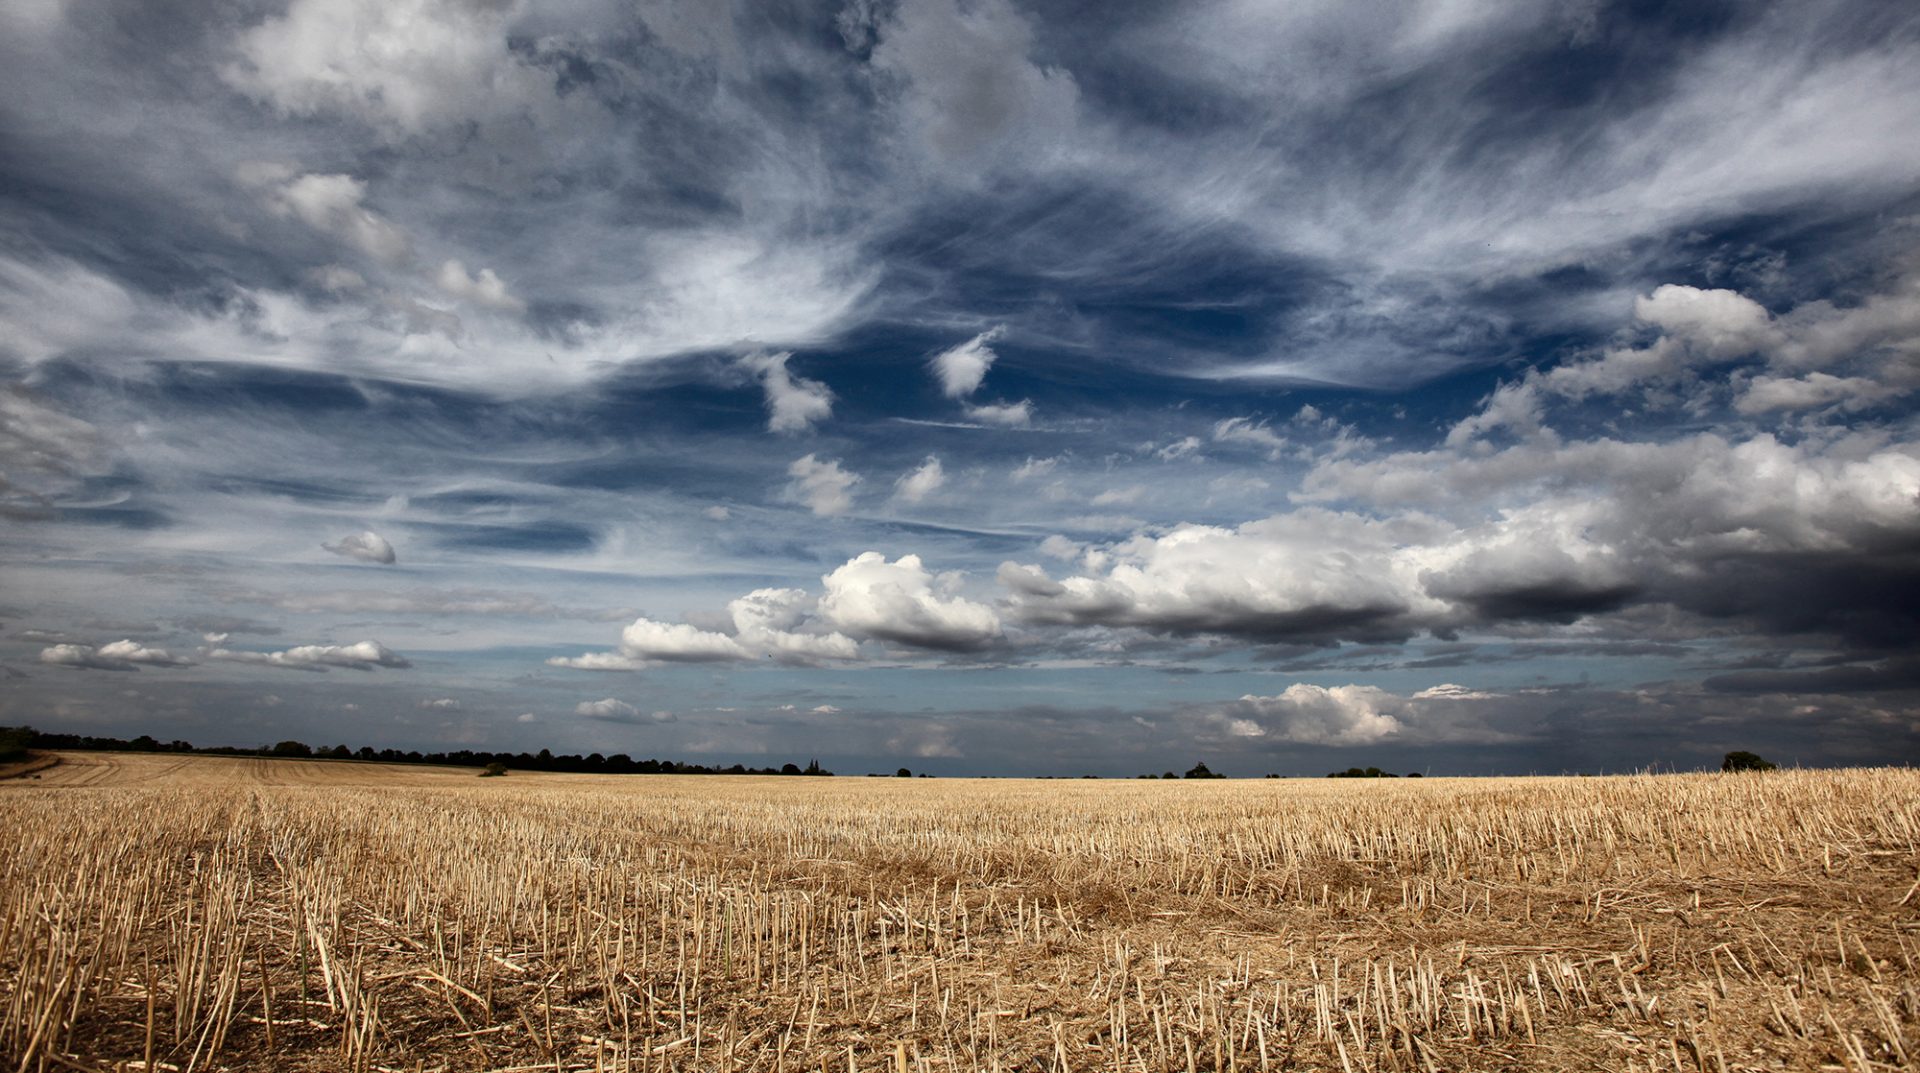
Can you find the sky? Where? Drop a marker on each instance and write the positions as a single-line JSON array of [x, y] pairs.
[[976, 386]]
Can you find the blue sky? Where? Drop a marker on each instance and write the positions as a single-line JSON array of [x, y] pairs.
[[982, 387]]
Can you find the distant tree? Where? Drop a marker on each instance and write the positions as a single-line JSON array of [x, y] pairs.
[[339, 752], [903, 773], [1361, 773], [366, 753], [789, 769], [144, 744], [1168, 775], [293, 748], [494, 770], [14, 742], [1741, 760], [814, 768], [1201, 771]]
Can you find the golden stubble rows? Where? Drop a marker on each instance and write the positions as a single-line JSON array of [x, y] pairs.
[[202, 914]]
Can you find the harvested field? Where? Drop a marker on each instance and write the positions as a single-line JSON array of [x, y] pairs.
[[204, 913]]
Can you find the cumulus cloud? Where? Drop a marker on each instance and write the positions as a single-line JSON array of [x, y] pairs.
[[900, 601], [1244, 430], [1059, 547], [1034, 467], [794, 404], [663, 642], [1315, 715], [614, 710], [868, 599], [440, 704], [1768, 394], [780, 623], [359, 656], [1720, 323], [366, 546], [1305, 714], [485, 290], [824, 487], [961, 370], [438, 62], [921, 483], [1006, 414], [645, 643], [334, 206], [1185, 447], [1699, 329], [776, 624], [1307, 574], [1703, 524], [114, 656]]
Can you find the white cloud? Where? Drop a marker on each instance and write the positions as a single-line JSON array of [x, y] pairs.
[[403, 66], [1305, 714], [916, 486], [867, 599], [1703, 328], [1059, 547], [1816, 390], [114, 656], [368, 546], [1008, 414], [1185, 447], [961, 369], [486, 290], [778, 623], [337, 279], [359, 656], [1302, 573], [598, 661], [334, 205], [440, 704], [605, 708], [614, 710], [1246, 431], [650, 641], [824, 709], [645, 643], [1120, 497], [772, 624], [973, 90], [44, 453], [1451, 691], [794, 404], [897, 601], [717, 514], [1315, 715], [526, 717], [824, 487], [1722, 323], [1034, 467]]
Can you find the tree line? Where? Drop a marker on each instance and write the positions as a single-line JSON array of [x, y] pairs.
[[20, 739]]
